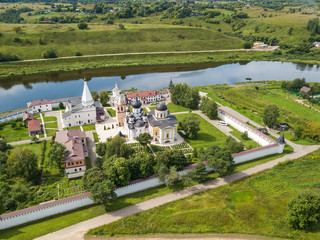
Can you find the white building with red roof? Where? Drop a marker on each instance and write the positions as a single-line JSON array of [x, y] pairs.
[[147, 96]]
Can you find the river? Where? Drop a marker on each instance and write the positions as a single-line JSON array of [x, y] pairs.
[[15, 92]]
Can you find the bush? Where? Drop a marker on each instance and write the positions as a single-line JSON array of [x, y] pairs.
[[247, 45], [78, 53], [82, 25], [49, 53], [121, 27], [304, 211]]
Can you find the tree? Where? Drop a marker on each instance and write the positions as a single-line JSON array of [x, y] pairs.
[[104, 98], [199, 172], [163, 171], [61, 106], [172, 177], [191, 125], [98, 162], [56, 156], [23, 163], [304, 211], [209, 107], [144, 139], [219, 159], [103, 192], [140, 166], [247, 45], [233, 145], [95, 95], [49, 53], [3, 162], [10, 205], [116, 146], [3, 145], [91, 177], [82, 25], [270, 115], [117, 170], [101, 149], [184, 95], [171, 158], [245, 136], [121, 27]]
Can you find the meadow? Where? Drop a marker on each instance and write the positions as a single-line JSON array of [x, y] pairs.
[[256, 205]]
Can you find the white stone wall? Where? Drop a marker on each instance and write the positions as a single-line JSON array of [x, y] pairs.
[[42, 213], [254, 134], [14, 115], [42, 108], [250, 155]]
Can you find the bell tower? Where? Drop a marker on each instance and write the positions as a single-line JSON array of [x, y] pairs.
[[120, 111]]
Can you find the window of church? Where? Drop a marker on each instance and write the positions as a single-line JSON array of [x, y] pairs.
[[167, 135]]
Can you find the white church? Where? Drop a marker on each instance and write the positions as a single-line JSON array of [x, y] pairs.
[[83, 111]]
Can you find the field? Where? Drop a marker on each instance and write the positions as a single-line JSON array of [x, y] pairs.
[[90, 127], [256, 205], [176, 108], [13, 135], [207, 136]]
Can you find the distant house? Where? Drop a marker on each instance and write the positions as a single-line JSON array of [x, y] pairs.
[[26, 118], [34, 127], [75, 142], [42, 105], [305, 89], [316, 44]]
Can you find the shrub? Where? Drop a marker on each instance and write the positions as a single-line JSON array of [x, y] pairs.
[[247, 45], [49, 53], [82, 25], [78, 53], [121, 27]]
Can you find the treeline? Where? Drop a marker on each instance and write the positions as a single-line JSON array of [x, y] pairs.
[[5, 57], [13, 15], [313, 26]]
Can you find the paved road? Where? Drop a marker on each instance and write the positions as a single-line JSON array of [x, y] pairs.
[[91, 146], [78, 230], [27, 141], [143, 53]]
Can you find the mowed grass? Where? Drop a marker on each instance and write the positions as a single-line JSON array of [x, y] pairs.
[[90, 127], [256, 205], [176, 108], [208, 134], [14, 135], [98, 41], [51, 125]]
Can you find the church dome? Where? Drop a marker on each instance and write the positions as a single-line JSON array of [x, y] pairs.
[[136, 104], [161, 107], [139, 123]]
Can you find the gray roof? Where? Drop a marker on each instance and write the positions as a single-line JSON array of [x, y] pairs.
[[170, 120], [76, 105], [161, 107]]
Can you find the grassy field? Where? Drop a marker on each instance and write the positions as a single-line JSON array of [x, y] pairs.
[[208, 134], [51, 125], [256, 205], [96, 138], [248, 143], [49, 119], [13, 135], [66, 39], [176, 108]]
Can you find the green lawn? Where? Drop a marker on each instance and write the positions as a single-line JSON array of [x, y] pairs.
[[88, 162], [49, 119], [51, 125], [51, 132], [96, 138], [176, 108], [256, 205], [208, 134], [152, 108], [13, 135], [111, 112], [90, 127]]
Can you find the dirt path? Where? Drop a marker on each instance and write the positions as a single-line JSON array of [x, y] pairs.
[[77, 231], [183, 237], [142, 53]]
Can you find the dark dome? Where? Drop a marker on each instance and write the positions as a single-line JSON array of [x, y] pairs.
[[136, 104], [161, 107], [139, 123]]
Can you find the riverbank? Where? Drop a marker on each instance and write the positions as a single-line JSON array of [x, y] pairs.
[[146, 60]]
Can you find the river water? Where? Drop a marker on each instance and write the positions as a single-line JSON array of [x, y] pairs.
[[15, 92]]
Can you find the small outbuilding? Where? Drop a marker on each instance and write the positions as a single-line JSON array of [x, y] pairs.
[[34, 127], [305, 89], [26, 118]]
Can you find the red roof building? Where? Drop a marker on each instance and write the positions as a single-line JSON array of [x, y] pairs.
[[34, 127], [148, 96], [305, 89]]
